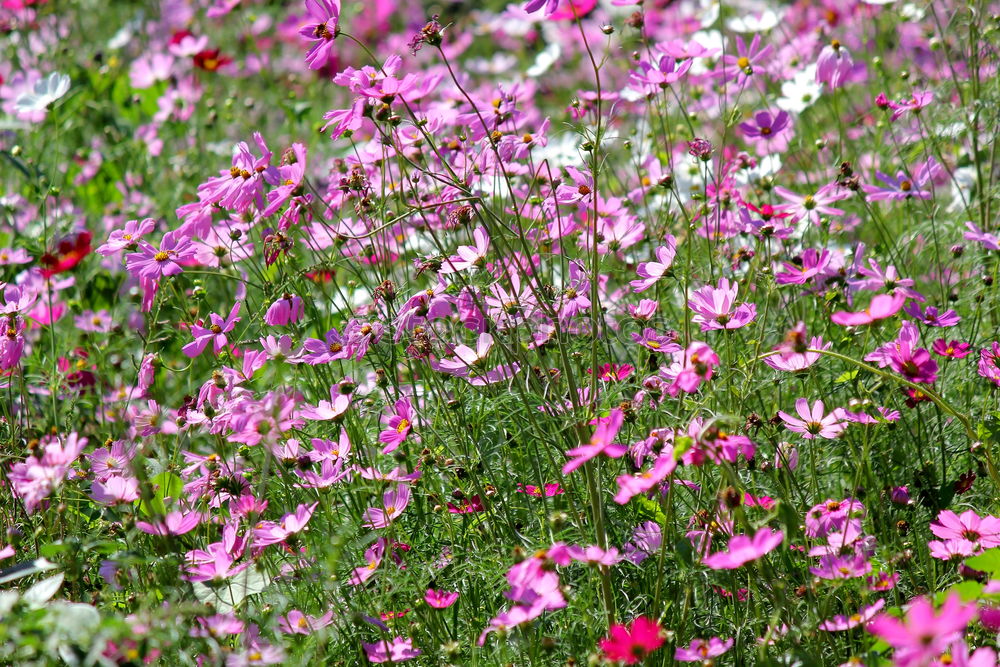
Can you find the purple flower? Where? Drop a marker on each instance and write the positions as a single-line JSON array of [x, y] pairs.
[[834, 65], [767, 132], [215, 332], [743, 549], [289, 309], [323, 28], [931, 317], [153, 263], [713, 307]]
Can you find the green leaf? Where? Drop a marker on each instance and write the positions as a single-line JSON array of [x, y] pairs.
[[846, 376], [988, 561], [165, 485]]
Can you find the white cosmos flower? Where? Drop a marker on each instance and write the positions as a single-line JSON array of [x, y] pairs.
[[45, 92]]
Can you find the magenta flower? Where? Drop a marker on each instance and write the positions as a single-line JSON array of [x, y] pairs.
[[465, 358], [985, 239], [270, 532], [742, 549], [152, 263], [35, 478], [953, 550], [334, 347], [837, 566], [813, 423], [690, 368], [931, 317], [467, 256], [913, 104], [373, 558], [655, 342], [173, 524], [128, 238], [440, 599], [745, 62], [394, 501], [988, 363], [767, 132], [915, 365], [399, 426], [242, 184], [813, 263], [923, 634], [630, 486], [289, 309], [701, 650], [630, 645], [115, 490], [214, 332], [970, 526], [834, 65], [399, 650], [841, 623], [954, 349], [713, 307], [651, 272], [297, 623], [600, 443], [323, 28], [881, 307]]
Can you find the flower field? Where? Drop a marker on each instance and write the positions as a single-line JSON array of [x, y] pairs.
[[551, 333]]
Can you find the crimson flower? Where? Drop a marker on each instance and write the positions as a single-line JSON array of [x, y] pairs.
[[632, 644]]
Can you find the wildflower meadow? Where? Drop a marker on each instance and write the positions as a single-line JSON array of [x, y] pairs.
[[549, 333]]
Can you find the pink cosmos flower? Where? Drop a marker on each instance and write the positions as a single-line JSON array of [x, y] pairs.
[[987, 240], [954, 349], [768, 133], [969, 525], [12, 256], [881, 307], [989, 358], [399, 426], [841, 623], [440, 599], [931, 317], [465, 358], [742, 549], [832, 516], [289, 309], [746, 62], [600, 443], [690, 368], [115, 490], [325, 410], [399, 650], [35, 478], [467, 256], [324, 16], [128, 238], [173, 524], [631, 644], [913, 104], [242, 185], [334, 347], [713, 307], [297, 623], [923, 634], [813, 422], [811, 207], [953, 550], [153, 263], [269, 532], [916, 365], [651, 340], [630, 486], [651, 272], [373, 558], [701, 650], [394, 501], [214, 332], [834, 65]]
